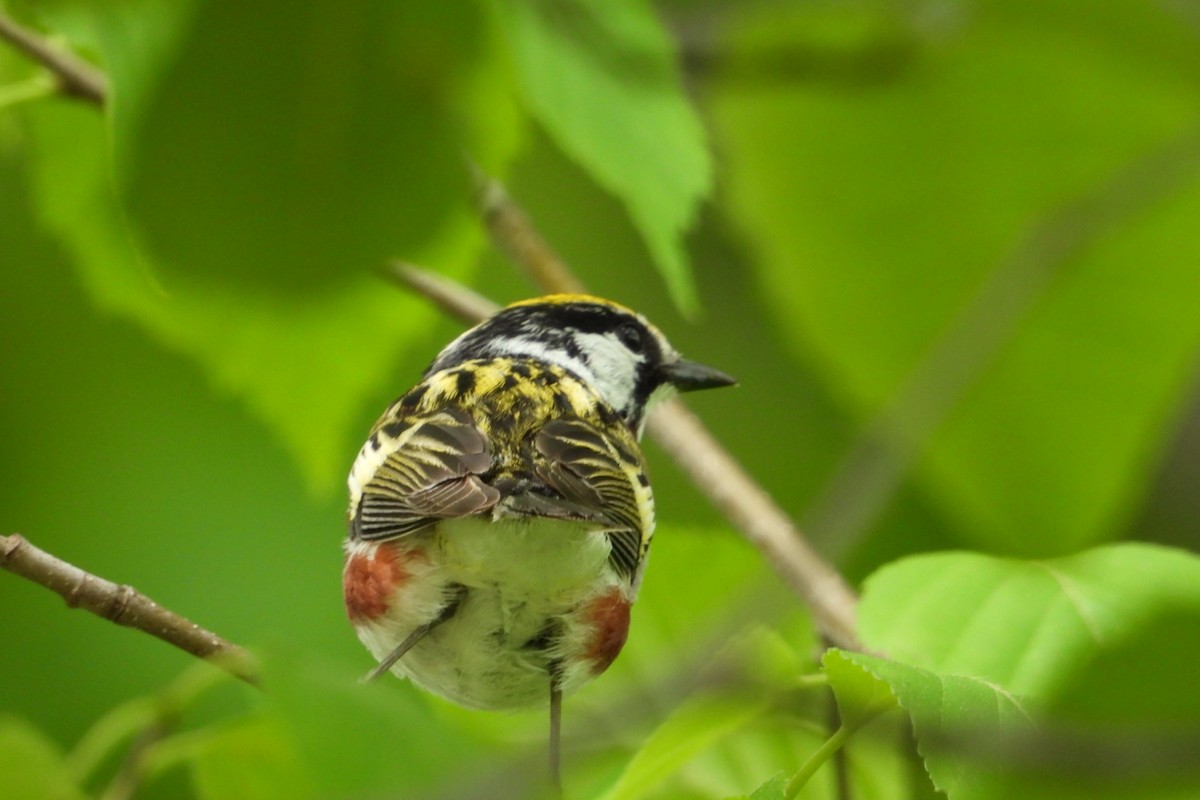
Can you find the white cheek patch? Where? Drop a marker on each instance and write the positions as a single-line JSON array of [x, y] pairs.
[[614, 370]]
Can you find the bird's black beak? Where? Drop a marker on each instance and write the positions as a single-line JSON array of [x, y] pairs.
[[688, 376]]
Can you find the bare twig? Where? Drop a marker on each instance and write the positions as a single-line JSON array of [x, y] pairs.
[[748, 506], [76, 77], [123, 605], [512, 230], [455, 299]]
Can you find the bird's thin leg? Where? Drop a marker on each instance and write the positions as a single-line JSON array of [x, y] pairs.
[[411, 640], [555, 732], [402, 648]]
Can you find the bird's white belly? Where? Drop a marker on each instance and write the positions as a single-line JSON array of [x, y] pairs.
[[518, 584]]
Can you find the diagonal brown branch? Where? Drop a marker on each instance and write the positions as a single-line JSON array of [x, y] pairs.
[[513, 232], [764, 524], [123, 605], [76, 78]]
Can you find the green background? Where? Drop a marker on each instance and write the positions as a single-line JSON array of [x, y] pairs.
[[957, 237]]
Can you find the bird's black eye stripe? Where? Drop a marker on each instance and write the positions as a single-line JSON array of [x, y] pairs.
[[631, 336]]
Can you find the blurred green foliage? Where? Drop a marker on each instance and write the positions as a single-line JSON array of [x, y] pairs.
[[955, 235]]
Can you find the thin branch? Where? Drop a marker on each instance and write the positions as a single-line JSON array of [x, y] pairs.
[[123, 605], [512, 230], [76, 77], [717, 474], [453, 298], [764, 524]]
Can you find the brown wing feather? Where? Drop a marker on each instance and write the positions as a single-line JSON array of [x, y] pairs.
[[432, 474], [591, 472]]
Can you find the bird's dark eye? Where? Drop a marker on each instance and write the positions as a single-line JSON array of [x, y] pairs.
[[631, 336]]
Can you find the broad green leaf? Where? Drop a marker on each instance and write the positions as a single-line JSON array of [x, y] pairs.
[[1126, 727], [779, 742], [31, 766], [253, 759], [861, 696], [601, 78], [265, 177], [941, 706], [293, 149], [695, 726], [880, 189], [1023, 626], [986, 646], [303, 364]]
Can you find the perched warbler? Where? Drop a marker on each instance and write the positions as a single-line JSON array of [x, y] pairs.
[[500, 511]]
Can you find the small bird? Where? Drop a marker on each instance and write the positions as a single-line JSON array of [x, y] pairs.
[[500, 511]]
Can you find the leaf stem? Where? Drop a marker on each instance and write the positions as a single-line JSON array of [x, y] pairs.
[[35, 88], [814, 762], [813, 680]]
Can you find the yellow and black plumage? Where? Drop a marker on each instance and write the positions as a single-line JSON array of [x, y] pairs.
[[500, 511]]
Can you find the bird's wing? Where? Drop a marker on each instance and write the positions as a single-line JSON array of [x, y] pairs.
[[415, 471], [597, 476]]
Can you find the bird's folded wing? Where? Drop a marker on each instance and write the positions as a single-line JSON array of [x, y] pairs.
[[599, 477], [431, 471]]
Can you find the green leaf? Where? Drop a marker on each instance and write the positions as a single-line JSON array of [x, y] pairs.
[[1126, 727], [861, 696], [265, 173], [882, 189], [303, 364], [1024, 626], [941, 706], [984, 647], [115, 729], [31, 766], [292, 150], [253, 759], [696, 725], [602, 80]]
